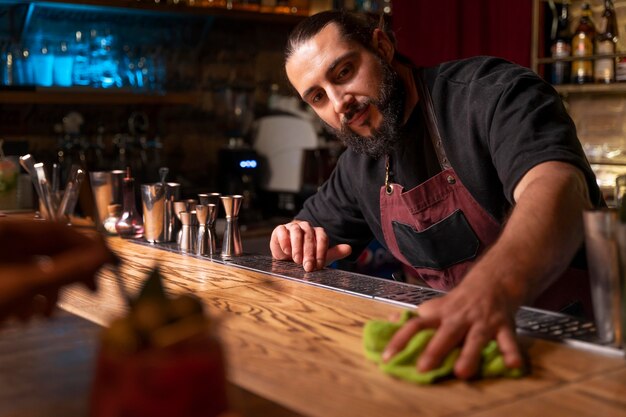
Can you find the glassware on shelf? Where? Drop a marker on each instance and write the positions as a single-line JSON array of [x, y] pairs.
[[130, 223], [81, 72], [561, 47], [582, 47], [127, 68], [104, 59], [63, 63], [606, 44], [24, 72], [43, 64], [6, 65]]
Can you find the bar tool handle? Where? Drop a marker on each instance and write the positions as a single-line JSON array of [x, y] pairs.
[[46, 192], [70, 195], [28, 163]]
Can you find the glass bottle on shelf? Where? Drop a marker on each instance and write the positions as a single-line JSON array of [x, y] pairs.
[[43, 64], [561, 48], [81, 71], [6, 66], [24, 67], [130, 223], [606, 41], [62, 71], [104, 59], [582, 46]]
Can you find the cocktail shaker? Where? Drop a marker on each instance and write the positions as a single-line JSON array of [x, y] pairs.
[[605, 243], [153, 207], [106, 187]]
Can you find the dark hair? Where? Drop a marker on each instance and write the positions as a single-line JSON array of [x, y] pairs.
[[357, 27]]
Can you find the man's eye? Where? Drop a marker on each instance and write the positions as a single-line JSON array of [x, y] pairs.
[[345, 71], [317, 97]]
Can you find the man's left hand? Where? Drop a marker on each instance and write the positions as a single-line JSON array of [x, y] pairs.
[[468, 317]]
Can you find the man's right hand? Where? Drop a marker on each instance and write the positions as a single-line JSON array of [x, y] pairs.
[[305, 245]]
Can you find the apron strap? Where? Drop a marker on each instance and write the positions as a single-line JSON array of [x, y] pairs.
[[431, 119]]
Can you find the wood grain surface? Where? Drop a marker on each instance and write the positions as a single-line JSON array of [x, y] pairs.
[[47, 368], [300, 346]]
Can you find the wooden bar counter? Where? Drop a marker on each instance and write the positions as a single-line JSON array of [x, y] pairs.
[[300, 347]]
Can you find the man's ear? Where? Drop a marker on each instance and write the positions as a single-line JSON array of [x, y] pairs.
[[382, 45]]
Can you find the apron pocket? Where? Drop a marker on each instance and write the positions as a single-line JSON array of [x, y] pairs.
[[445, 243]]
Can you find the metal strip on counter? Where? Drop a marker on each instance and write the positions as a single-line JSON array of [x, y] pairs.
[[533, 322]]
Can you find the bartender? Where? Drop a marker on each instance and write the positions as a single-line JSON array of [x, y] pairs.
[[470, 172]]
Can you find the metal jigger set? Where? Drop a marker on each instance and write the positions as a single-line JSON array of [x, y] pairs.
[[54, 204], [197, 233], [191, 222]]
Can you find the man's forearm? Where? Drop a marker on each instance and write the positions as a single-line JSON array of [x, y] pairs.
[[542, 234]]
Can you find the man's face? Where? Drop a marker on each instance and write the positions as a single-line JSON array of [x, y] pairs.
[[352, 89]]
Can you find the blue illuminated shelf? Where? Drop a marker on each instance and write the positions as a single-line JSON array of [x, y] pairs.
[[73, 95], [130, 6]]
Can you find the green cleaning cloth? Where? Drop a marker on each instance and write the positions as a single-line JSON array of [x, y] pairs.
[[377, 333]]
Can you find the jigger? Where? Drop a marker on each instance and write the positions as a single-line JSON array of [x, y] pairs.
[[179, 207], [186, 232], [206, 242], [202, 241], [212, 236], [231, 244], [191, 206], [203, 199], [210, 198]]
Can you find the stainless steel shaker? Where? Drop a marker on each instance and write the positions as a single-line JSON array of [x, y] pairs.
[[106, 187], [605, 243], [153, 207], [171, 225]]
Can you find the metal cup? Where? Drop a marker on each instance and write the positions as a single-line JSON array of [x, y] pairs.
[[153, 205], [187, 240], [605, 242], [171, 223], [106, 187]]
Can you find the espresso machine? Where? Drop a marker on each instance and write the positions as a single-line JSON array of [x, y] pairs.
[[238, 171], [238, 162]]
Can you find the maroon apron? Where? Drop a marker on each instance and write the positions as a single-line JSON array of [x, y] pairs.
[[438, 229]]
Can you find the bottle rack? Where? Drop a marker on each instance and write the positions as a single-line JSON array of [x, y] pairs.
[[540, 38], [170, 26]]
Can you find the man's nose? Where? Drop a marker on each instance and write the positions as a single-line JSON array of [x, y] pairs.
[[341, 101]]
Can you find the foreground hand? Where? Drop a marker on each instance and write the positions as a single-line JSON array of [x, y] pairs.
[[470, 316], [305, 245], [38, 258]]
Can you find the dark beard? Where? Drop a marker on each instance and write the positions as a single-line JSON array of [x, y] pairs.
[[390, 103]]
